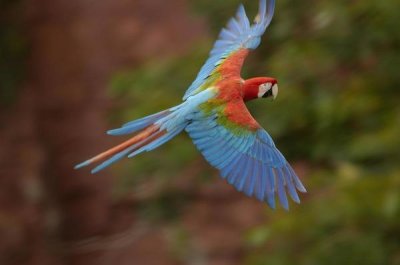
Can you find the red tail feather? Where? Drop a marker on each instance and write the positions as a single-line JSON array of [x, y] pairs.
[[146, 136]]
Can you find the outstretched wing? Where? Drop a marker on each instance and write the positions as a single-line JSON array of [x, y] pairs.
[[236, 39], [244, 153]]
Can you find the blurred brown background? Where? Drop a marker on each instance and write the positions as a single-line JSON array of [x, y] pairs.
[[70, 70]]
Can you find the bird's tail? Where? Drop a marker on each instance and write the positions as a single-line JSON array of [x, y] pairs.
[[151, 132]]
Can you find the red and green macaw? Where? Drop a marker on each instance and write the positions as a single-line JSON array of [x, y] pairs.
[[214, 114]]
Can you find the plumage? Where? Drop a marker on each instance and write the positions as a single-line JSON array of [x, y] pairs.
[[214, 114], [139, 124], [237, 35]]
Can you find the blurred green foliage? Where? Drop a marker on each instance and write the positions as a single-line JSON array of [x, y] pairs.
[[338, 112], [13, 51]]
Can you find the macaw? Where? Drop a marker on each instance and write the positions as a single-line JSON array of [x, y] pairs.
[[214, 114]]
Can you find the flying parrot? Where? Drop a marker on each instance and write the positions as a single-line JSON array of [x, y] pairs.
[[214, 114]]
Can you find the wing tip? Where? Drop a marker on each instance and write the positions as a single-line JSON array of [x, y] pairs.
[[265, 12], [296, 199], [285, 205], [272, 206], [302, 189]]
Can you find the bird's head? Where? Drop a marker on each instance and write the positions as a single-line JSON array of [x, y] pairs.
[[260, 87]]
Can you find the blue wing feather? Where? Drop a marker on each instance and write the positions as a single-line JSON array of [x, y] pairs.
[[139, 124], [228, 155], [244, 175], [270, 192], [250, 162], [238, 34], [296, 180], [281, 189], [251, 179], [227, 168], [237, 169], [262, 182], [290, 186], [244, 20]]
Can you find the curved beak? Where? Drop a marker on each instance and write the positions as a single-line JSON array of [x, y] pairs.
[[275, 91], [272, 92]]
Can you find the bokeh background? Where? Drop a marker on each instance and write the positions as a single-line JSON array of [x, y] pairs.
[[69, 70]]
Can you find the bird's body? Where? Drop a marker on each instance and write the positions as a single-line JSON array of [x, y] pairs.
[[214, 114]]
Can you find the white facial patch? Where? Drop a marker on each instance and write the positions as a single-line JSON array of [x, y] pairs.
[[263, 88]]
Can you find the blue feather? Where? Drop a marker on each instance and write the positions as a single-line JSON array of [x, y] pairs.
[[248, 161], [139, 124], [290, 186], [244, 21], [227, 156], [247, 179], [251, 178], [157, 142], [271, 180], [227, 35], [239, 167], [233, 169], [221, 151], [265, 137], [214, 152], [281, 188], [234, 27], [262, 182], [207, 139], [270, 194], [296, 180], [238, 34], [248, 141], [230, 165], [201, 127], [258, 151], [239, 183], [203, 144]]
